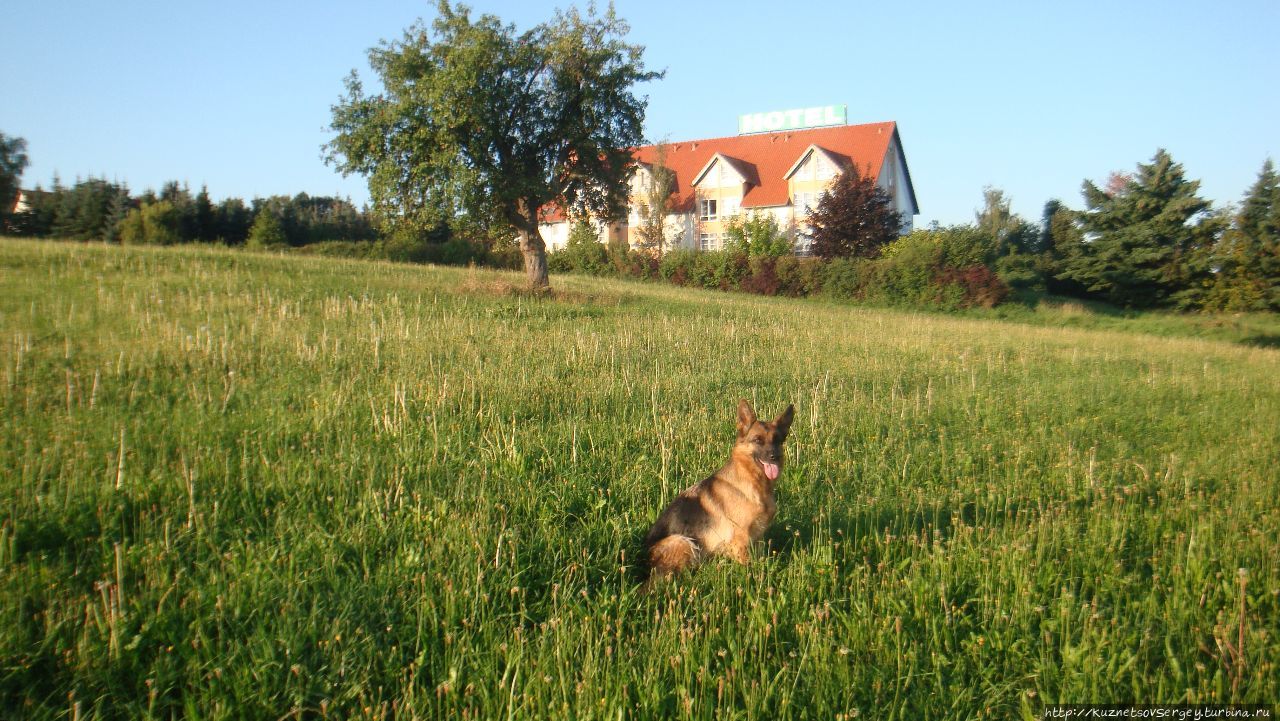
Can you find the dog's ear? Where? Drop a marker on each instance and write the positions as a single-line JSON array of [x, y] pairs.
[[782, 425], [746, 417]]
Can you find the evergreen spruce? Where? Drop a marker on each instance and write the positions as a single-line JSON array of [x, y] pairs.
[[1143, 236], [205, 226], [1248, 257]]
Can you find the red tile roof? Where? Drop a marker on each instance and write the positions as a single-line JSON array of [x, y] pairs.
[[764, 159], [770, 156]]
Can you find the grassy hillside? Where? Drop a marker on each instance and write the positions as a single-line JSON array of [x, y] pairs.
[[238, 486]]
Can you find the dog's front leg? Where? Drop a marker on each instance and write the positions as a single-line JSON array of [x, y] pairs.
[[739, 548]]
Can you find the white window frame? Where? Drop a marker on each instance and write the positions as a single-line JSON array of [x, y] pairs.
[[707, 209], [731, 207], [709, 241], [803, 246], [804, 202]]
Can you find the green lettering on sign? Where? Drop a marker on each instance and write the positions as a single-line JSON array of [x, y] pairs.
[[816, 117]]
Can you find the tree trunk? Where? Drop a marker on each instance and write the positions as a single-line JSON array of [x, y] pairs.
[[535, 260]]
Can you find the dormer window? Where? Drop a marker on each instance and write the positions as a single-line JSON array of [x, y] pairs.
[[707, 209]]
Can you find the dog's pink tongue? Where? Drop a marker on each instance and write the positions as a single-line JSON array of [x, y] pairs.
[[770, 471]]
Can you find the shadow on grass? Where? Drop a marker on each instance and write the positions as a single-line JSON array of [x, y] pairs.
[[1262, 340]]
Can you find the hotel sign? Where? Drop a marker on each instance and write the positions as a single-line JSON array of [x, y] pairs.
[[818, 117]]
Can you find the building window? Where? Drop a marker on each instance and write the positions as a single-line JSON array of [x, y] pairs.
[[805, 202], [824, 169], [707, 209], [731, 207], [804, 245], [709, 241]]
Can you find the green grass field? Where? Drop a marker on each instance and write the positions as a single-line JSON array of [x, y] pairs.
[[252, 486]]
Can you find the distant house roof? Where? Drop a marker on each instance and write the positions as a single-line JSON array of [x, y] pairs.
[[772, 157], [767, 160]]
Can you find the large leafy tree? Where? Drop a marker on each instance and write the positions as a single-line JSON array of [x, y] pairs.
[[13, 160], [996, 218], [477, 119], [1010, 232], [855, 217], [1144, 236]]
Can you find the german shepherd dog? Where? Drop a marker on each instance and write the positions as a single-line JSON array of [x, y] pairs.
[[724, 513]]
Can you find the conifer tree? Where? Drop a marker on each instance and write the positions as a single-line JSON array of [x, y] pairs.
[[205, 229], [13, 160], [1143, 237], [1248, 257]]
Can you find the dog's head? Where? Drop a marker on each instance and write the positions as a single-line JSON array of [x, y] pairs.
[[762, 440]]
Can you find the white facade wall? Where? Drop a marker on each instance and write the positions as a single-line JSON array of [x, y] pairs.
[[682, 228], [556, 235], [893, 179]]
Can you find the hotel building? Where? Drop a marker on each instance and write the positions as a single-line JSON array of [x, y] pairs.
[[780, 173]]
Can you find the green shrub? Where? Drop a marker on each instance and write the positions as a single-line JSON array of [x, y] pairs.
[[1022, 271], [720, 269], [798, 276], [266, 232], [944, 269], [947, 269], [677, 266], [758, 236], [360, 249], [638, 264], [975, 286], [582, 253], [842, 277], [132, 230], [454, 251], [157, 223], [504, 254]]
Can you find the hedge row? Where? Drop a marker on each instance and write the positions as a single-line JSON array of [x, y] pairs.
[[945, 269]]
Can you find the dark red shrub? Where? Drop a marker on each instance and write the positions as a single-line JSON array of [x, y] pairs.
[[979, 285], [763, 279]]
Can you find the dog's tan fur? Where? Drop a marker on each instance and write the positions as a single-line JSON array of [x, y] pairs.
[[724, 513]]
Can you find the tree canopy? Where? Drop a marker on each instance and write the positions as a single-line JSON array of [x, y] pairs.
[[477, 119], [1248, 257], [1141, 235], [13, 160], [855, 217]]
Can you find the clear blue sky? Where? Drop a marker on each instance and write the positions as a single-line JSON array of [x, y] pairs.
[[1030, 97]]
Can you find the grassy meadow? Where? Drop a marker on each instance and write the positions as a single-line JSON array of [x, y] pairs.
[[255, 486]]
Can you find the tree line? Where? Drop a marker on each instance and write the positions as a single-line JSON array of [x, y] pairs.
[[479, 127], [97, 209], [1143, 240], [1146, 239]]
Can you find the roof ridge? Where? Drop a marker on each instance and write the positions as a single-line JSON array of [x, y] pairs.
[[763, 135]]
